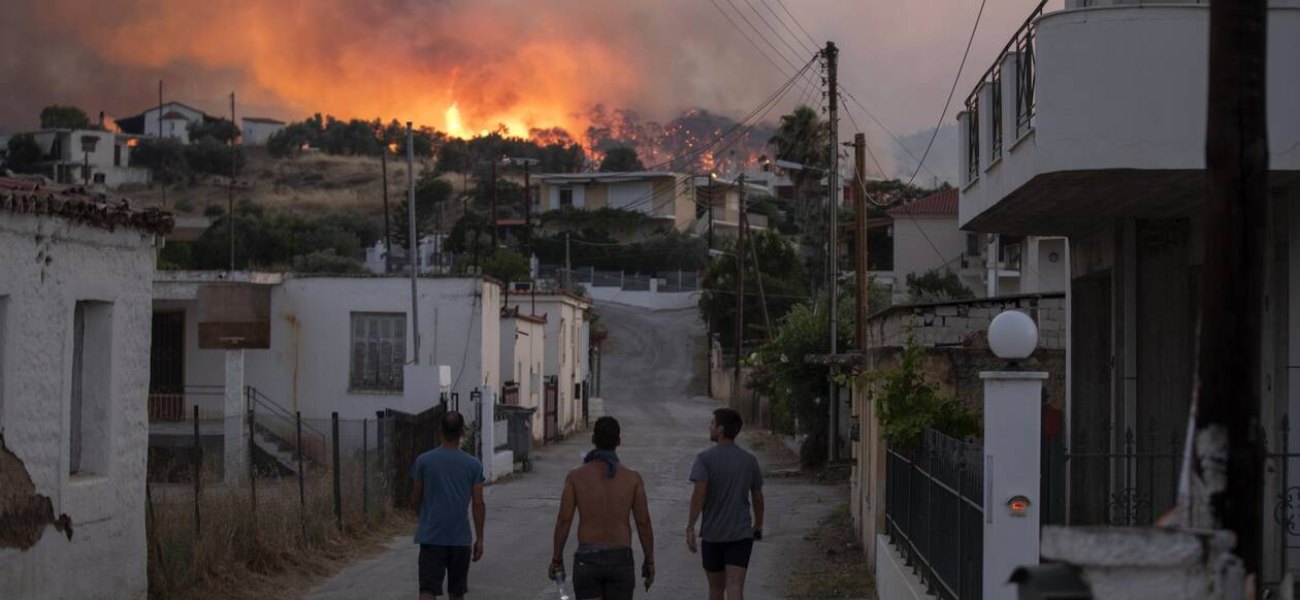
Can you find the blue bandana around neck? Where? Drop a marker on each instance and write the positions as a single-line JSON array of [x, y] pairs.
[[610, 458]]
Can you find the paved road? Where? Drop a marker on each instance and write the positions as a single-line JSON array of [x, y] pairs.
[[645, 385]]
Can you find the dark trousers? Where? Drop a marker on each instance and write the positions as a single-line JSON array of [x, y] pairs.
[[606, 574]]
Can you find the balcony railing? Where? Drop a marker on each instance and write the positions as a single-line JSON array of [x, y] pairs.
[[1021, 47], [972, 138]]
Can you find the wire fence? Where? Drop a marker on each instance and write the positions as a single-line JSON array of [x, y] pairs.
[[258, 487]]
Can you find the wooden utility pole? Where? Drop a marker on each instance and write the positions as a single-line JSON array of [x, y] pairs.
[[162, 168], [528, 199], [388, 235], [832, 239], [861, 268], [495, 242], [753, 253], [1236, 237], [412, 242], [230, 189]]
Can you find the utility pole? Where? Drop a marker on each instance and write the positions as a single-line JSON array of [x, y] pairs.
[[832, 247], [568, 265], [160, 137], [711, 178], [388, 235], [860, 265], [412, 244], [740, 306], [495, 242], [1229, 456], [230, 189], [528, 199], [753, 253]]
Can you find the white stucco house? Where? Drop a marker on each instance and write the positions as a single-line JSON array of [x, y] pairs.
[[523, 363], [88, 157], [668, 199], [74, 364], [568, 342], [257, 130], [1091, 125], [927, 237], [175, 118]]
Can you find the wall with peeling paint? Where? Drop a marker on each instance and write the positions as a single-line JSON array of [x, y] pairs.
[[48, 266]]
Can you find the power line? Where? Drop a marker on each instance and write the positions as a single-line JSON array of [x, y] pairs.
[[812, 48], [751, 41], [796, 22], [885, 128], [955, 80]]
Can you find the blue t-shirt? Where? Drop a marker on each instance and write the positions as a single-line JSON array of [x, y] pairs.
[[449, 477]]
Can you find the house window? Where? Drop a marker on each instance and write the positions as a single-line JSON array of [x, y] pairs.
[[566, 197], [973, 244], [117, 156], [89, 411], [378, 352]]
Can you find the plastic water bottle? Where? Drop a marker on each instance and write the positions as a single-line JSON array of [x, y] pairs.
[[559, 585]]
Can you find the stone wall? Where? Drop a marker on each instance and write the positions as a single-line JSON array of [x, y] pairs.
[[953, 323]]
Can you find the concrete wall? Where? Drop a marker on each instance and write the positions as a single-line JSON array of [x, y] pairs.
[[894, 579], [914, 254], [952, 323], [565, 326], [1123, 87], [256, 134], [308, 365], [50, 266], [650, 300]]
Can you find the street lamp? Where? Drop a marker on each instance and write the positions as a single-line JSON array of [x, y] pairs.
[[1013, 336]]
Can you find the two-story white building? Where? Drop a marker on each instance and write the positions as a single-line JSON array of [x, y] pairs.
[[666, 199], [74, 364], [172, 120], [88, 157], [1091, 125]]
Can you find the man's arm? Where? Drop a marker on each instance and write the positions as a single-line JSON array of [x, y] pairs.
[[644, 530], [757, 494], [697, 506], [480, 515], [564, 520]]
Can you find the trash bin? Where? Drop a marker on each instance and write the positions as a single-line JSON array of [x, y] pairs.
[[519, 431]]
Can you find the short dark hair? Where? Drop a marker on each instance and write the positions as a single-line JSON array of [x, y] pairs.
[[729, 420], [605, 433], [452, 425]]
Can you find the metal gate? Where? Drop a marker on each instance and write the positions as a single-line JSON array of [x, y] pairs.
[[551, 415], [408, 436]]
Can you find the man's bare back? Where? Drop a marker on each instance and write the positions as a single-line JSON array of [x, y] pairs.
[[606, 506]]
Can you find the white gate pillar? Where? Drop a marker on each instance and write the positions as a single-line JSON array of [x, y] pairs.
[[234, 424], [1012, 449]]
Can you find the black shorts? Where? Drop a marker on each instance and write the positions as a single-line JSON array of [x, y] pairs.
[[449, 561], [720, 555], [607, 574]]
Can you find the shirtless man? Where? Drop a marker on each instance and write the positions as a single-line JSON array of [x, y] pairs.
[[605, 494]]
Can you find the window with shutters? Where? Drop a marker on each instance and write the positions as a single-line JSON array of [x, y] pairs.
[[378, 352]]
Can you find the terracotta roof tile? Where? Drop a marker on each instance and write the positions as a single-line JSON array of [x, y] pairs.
[[79, 206], [940, 203]]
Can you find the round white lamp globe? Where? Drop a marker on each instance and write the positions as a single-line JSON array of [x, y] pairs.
[[1013, 335]]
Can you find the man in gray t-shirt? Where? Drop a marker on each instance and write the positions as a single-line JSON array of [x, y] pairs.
[[726, 477]]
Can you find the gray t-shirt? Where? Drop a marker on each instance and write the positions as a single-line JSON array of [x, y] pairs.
[[730, 473]]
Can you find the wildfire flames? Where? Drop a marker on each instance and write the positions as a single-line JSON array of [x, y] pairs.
[[541, 69]]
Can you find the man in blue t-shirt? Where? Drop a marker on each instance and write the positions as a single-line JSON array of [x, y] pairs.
[[729, 494], [451, 478]]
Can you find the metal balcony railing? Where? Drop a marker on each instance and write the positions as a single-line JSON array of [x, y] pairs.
[[1021, 47]]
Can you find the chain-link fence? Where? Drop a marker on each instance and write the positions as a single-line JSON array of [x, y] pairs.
[[258, 488]]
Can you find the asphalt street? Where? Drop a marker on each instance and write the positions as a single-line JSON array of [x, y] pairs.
[[646, 380]]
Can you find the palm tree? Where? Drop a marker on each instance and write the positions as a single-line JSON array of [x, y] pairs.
[[802, 138]]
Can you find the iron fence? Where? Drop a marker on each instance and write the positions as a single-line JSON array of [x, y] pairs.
[[1283, 462], [934, 512], [1124, 482]]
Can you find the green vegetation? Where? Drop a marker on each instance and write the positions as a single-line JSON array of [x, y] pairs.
[[561, 155], [907, 404], [354, 137], [621, 159], [63, 117], [23, 153], [171, 162], [784, 284], [936, 286], [430, 193], [333, 242], [222, 130], [507, 266]]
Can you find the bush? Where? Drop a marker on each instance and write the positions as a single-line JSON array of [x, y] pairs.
[[507, 266], [213, 211], [326, 261], [23, 153], [907, 404]]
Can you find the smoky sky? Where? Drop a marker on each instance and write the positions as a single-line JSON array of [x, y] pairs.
[[528, 63]]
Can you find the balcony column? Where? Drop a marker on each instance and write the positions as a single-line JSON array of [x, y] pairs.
[[963, 147], [1009, 90], [985, 95]]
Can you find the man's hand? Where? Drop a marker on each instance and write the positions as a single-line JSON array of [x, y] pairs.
[[648, 572], [478, 550], [758, 534], [690, 541], [556, 570]]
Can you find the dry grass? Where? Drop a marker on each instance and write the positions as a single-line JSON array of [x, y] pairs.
[[836, 568], [276, 547], [307, 184]]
